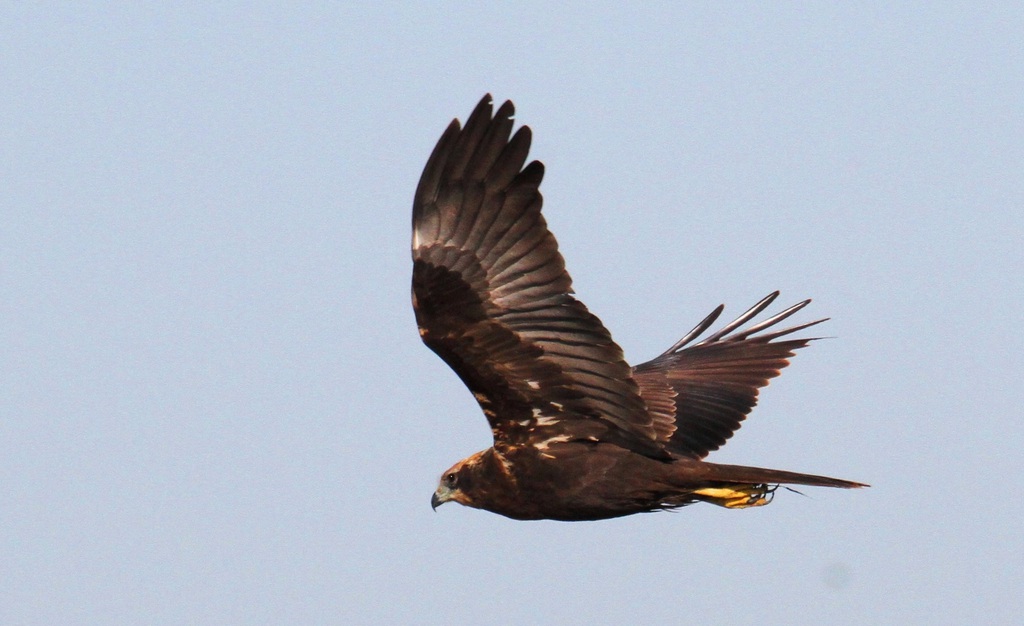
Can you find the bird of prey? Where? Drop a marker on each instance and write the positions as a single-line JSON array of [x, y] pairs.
[[578, 433]]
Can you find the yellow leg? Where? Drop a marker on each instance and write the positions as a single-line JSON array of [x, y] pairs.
[[737, 496]]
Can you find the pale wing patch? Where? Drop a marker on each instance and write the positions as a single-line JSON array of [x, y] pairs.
[[537, 418], [546, 420], [544, 445]]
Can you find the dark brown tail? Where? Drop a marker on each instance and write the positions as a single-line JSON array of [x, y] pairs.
[[743, 474], [739, 487]]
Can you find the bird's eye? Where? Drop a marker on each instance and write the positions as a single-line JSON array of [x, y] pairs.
[[450, 478]]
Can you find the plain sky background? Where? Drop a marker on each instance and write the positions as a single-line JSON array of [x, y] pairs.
[[215, 407]]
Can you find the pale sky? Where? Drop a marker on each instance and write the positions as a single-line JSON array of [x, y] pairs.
[[215, 407]]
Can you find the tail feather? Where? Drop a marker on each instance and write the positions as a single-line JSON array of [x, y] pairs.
[[716, 472], [740, 487]]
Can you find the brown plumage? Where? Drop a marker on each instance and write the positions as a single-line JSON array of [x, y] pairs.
[[578, 433]]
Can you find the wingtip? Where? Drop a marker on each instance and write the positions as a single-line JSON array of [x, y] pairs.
[[723, 334], [482, 108]]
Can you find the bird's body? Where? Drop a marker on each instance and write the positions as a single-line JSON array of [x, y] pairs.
[[578, 433], [578, 481]]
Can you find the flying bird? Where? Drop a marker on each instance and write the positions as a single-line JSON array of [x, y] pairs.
[[578, 433]]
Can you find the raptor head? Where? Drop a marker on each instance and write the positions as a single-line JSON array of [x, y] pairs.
[[457, 483]]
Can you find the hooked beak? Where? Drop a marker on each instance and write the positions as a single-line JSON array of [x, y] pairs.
[[442, 495]]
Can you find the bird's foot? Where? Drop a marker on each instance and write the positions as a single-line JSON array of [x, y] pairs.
[[737, 496]]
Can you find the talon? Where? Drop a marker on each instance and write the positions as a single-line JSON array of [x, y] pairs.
[[739, 496]]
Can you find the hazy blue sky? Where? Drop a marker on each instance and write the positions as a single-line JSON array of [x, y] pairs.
[[214, 405]]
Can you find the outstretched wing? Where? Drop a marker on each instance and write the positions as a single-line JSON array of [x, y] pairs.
[[699, 394], [492, 297]]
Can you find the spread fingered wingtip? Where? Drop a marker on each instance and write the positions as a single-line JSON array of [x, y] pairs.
[[723, 334]]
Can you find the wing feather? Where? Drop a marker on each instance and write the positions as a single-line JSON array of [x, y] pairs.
[[700, 394], [492, 297]]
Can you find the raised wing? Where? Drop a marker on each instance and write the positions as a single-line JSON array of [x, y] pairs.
[[699, 394], [492, 297]]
